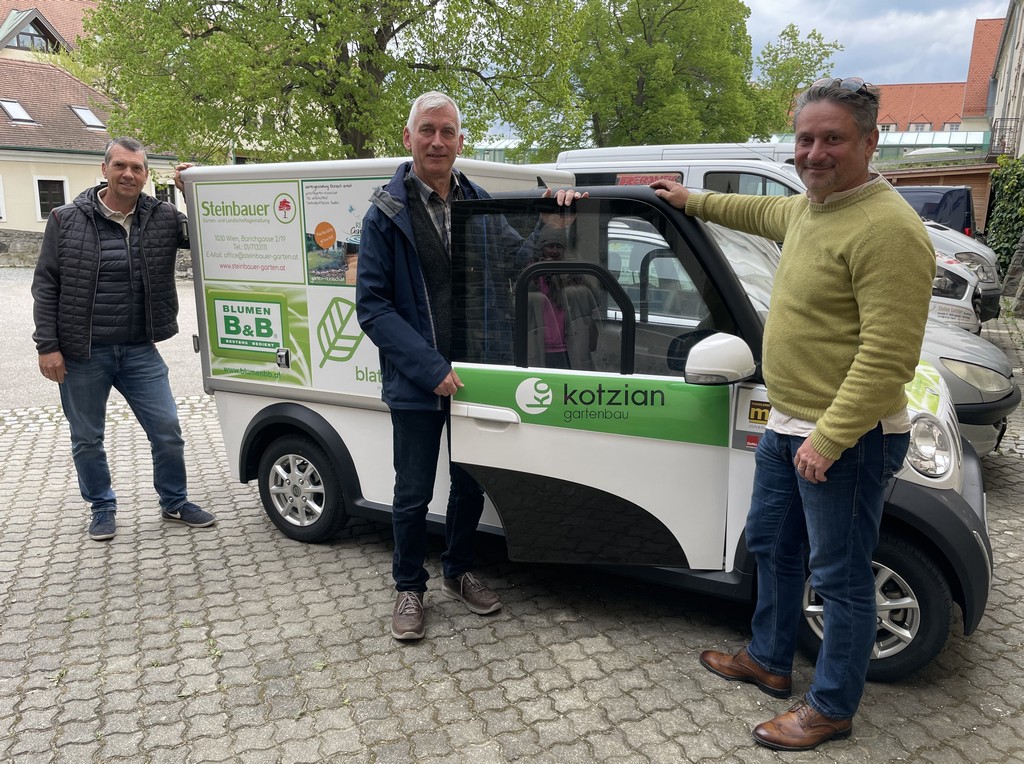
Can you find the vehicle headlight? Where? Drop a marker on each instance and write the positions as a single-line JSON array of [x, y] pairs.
[[930, 452], [985, 379], [979, 265], [948, 284]]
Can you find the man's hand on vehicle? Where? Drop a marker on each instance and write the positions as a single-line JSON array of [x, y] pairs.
[[449, 385], [564, 197], [674, 193], [177, 174]]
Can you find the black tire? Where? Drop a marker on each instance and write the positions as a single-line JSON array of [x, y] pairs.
[[910, 636], [300, 490]]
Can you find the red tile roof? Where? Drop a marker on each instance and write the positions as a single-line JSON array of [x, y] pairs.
[[48, 102], [935, 103], [984, 50], [65, 16]]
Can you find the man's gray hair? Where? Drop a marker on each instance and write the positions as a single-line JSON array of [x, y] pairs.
[[862, 104], [126, 143], [429, 101]]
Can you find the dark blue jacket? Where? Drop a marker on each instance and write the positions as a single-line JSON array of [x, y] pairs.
[[391, 296]]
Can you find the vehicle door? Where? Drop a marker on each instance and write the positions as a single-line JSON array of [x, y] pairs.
[[575, 417]]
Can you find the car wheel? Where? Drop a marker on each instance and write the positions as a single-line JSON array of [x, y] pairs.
[[300, 490], [914, 611]]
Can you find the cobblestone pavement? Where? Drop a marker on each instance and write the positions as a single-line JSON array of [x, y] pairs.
[[235, 644]]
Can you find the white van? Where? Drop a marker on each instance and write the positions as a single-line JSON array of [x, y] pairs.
[[626, 167], [772, 151], [640, 457]]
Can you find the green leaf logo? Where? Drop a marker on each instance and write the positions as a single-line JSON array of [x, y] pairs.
[[335, 344]]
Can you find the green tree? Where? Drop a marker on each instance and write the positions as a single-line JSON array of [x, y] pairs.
[[665, 71], [305, 79], [785, 67]]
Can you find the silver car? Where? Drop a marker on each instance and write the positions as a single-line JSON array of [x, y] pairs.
[[978, 374], [980, 258]]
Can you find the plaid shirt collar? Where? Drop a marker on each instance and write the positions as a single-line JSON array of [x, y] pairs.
[[440, 209]]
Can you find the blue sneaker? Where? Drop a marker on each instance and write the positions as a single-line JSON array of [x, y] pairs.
[[190, 514], [103, 527]]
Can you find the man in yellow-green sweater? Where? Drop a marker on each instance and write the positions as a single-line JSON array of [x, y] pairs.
[[843, 336]]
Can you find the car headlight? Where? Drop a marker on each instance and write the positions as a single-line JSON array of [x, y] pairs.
[[930, 452], [948, 284], [985, 379], [981, 267]]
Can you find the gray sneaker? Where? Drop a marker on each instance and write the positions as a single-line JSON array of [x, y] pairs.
[[189, 514], [407, 617], [468, 590], [103, 525]]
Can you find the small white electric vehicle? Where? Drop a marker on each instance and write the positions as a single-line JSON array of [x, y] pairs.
[[639, 458]]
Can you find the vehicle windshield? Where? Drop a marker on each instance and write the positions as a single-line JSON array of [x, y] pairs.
[[753, 259]]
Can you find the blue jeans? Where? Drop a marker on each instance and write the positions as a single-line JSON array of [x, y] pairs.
[[139, 373], [838, 522], [417, 442]]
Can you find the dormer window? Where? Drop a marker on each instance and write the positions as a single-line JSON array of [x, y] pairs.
[[16, 112], [33, 37], [88, 117]]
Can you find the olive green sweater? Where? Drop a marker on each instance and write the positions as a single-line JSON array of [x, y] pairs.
[[848, 306]]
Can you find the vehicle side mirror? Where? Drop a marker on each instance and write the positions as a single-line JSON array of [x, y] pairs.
[[720, 359]]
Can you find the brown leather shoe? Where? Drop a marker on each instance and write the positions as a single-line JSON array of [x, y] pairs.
[[801, 728], [407, 617], [742, 668], [470, 591]]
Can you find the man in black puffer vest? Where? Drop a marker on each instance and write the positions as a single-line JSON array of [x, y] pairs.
[[104, 293]]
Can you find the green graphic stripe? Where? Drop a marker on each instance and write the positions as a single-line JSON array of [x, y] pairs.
[[923, 389], [661, 409]]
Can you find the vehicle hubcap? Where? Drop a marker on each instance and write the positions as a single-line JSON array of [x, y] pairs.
[[297, 490], [899, 612]]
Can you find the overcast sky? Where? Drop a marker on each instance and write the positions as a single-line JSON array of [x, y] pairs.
[[887, 42]]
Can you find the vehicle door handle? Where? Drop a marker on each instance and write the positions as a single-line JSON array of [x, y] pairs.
[[485, 413]]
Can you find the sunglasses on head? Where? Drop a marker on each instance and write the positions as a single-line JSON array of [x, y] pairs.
[[853, 84]]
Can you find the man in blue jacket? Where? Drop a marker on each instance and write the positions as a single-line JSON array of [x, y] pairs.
[[103, 294], [403, 301]]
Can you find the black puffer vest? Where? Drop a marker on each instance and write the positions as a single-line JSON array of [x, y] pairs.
[[110, 291]]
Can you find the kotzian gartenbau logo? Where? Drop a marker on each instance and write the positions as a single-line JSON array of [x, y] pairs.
[[582, 401], [533, 396]]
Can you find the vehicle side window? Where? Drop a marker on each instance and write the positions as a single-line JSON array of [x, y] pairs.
[[669, 293], [561, 298], [745, 183]]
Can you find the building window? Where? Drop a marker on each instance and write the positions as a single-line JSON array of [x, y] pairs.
[[32, 37], [165, 192], [887, 127], [51, 196], [89, 119], [951, 127], [16, 111], [920, 127], [3, 215]]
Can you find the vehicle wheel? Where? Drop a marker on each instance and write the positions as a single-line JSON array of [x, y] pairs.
[[300, 490], [914, 611]]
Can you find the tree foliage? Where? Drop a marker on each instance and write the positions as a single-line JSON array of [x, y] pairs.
[[679, 71], [305, 79], [664, 71], [1005, 223], [785, 67], [320, 79]]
